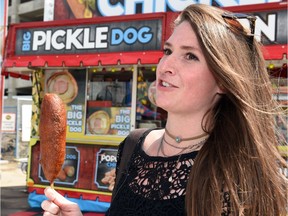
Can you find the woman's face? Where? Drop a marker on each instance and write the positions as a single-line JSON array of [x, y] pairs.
[[184, 82]]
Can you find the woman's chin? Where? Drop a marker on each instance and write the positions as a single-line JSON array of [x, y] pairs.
[[164, 104]]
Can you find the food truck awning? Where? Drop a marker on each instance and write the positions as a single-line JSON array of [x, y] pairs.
[[125, 40], [121, 40], [22, 66], [84, 60], [270, 52]]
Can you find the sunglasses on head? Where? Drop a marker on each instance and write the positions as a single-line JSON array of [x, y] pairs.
[[236, 16]]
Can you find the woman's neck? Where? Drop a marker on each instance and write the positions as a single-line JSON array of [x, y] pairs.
[[185, 126]]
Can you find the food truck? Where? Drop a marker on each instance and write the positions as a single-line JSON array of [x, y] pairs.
[[103, 69]]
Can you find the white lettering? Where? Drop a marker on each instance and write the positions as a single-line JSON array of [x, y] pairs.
[[86, 39], [48, 38], [108, 158], [76, 107], [119, 118], [101, 37], [74, 123], [227, 3], [123, 133], [71, 39], [150, 6], [268, 30], [125, 111], [75, 129], [54, 42], [74, 115], [130, 6], [39, 39], [179, 5], [106, 9], [120, 126], [160, 6]]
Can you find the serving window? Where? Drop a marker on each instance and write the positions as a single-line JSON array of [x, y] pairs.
[[107, 100], [109, 93]]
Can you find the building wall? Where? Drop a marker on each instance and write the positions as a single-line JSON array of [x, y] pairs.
[[22, 11], [12, 144]]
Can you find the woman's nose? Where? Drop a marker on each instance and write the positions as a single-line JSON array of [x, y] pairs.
[[167, 64]]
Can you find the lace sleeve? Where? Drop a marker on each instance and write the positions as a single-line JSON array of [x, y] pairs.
[[226, 204]]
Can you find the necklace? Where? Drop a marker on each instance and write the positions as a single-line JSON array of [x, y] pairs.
[[183, 149], [193, 146], [178, 139]]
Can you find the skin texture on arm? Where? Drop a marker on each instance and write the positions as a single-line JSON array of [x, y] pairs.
[[59, 205]]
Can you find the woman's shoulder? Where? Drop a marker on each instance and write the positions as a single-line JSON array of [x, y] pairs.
[[154, 134], [151, 137], [139, 138]]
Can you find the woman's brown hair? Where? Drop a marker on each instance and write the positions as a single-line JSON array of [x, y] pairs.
[[241, 155]]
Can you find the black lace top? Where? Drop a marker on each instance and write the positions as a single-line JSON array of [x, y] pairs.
[[154, 185]]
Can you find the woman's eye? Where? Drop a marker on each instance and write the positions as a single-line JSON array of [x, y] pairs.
[[167, 51], [191, 56]]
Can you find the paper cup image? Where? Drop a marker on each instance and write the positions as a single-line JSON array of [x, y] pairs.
[[63, 84], [99, 122]]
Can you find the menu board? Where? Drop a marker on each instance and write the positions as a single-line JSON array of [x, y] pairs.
[[69, 173], [106, 160], [70, 86], [108, 120]]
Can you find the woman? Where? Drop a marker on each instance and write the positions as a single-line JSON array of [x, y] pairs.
[[218, 152]]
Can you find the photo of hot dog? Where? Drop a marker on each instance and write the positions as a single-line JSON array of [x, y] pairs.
[[63, 84], [98, 122]]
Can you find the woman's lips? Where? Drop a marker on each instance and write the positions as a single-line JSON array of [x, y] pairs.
[[166, 84]]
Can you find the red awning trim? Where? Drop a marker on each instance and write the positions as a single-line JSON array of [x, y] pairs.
[[16, 75], [149, 57], [275, 52], [258, 7]]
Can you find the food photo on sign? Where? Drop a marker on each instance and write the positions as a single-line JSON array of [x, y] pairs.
[[105, 168], [69, 173], [108, 120], [70, 86], [63, 84]]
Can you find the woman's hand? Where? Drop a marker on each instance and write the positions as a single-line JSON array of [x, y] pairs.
[[58, 205]]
